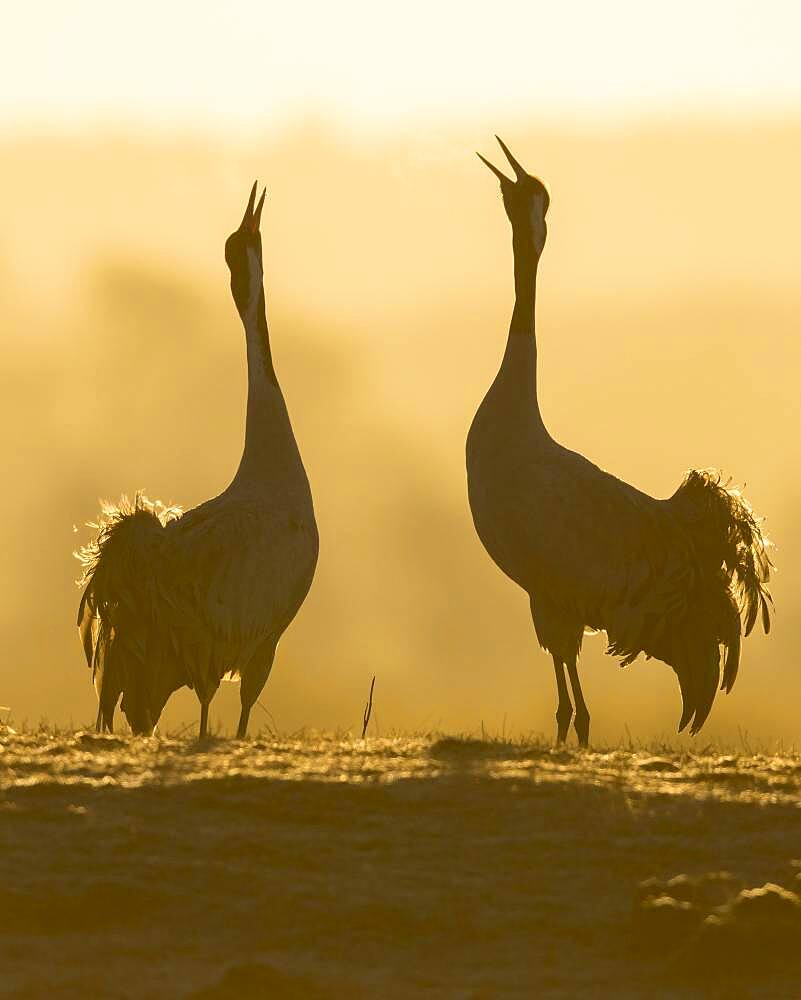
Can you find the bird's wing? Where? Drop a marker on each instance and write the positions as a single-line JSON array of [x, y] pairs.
[[606, 553], [236, 574]]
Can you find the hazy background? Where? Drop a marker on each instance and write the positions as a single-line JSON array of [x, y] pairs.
[[669, 309]]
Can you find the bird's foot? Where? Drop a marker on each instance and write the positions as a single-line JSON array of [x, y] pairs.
[[582, 727], [563, 716]]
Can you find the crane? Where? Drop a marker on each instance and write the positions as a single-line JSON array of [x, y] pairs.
[[173, 599], [676, 579]]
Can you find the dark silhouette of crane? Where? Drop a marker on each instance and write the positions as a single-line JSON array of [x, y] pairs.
[[177, 599], [675, 579]]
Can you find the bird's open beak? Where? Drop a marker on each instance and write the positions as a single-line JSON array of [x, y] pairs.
[[252, 216], [520, 173]]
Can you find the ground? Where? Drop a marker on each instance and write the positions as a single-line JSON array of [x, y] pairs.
[[328, 866]]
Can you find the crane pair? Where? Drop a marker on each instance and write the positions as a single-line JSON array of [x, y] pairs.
[[175, 600]]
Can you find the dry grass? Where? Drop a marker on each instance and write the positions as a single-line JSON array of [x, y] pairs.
[[429, 866]]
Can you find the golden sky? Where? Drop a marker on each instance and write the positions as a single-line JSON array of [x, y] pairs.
[[251, 63]]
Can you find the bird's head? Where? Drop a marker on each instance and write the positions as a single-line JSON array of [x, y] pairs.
[[243, 257], [525, 199]]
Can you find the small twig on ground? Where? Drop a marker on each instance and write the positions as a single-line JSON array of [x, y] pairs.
[[368, 708]]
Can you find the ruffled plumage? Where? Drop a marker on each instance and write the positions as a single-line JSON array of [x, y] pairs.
[[115, 616]]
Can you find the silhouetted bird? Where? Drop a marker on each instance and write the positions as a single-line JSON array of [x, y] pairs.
[[668, 578], [175, 599]]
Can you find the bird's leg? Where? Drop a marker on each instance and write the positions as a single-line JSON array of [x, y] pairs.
[[204, 720], [582, 720], [244, 716], [100, 720], [254, 677], [564, 711]]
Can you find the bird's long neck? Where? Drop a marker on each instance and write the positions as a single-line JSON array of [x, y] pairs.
[[261, 373], [518, 371], [526, 260], [270, 454]]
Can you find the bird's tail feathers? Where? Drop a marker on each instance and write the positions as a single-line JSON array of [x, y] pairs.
[[117, 564], [698, 673], [729, 531], [733, 551]]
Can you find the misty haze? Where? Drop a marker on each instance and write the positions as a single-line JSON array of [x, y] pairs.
[[453, 849]]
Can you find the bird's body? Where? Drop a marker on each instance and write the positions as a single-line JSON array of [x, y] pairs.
[[667, 578], [183, 599]]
